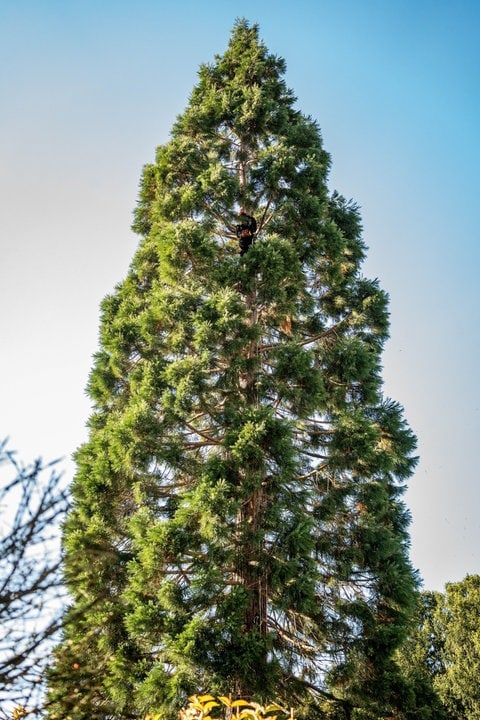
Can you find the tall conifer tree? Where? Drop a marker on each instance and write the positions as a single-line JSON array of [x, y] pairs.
[[237, 523]]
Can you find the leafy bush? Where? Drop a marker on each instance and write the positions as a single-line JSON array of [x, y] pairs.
[[206, 707]]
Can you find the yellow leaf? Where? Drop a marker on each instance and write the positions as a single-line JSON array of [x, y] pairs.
[[19, 712], [225, 700], [204, 698], [241, 703]]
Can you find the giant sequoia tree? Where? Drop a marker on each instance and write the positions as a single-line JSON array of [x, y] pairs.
[[237, 523]]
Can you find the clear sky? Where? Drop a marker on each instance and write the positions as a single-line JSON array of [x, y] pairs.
[[88, 89]]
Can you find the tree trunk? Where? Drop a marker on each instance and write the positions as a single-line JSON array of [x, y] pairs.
[[251, 515]]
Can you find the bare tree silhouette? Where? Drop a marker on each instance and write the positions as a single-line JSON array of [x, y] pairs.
[[32, 506]]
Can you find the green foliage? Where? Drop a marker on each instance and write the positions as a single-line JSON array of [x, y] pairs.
[[457, 668], [440, 659], [237, 521]]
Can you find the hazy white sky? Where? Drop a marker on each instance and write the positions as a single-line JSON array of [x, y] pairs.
[[88, 90]]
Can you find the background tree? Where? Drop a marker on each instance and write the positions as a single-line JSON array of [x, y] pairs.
[[32, 504], [421, 660], [458, 618], [440, 659], [237, 522]]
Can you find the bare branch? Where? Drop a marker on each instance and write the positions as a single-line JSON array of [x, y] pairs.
[[32, 505]]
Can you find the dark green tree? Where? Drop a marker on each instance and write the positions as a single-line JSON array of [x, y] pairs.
[[237, 523]]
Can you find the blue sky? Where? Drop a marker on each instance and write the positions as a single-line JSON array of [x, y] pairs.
[[88, 90]]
